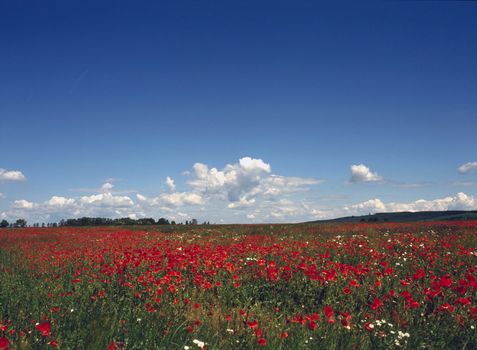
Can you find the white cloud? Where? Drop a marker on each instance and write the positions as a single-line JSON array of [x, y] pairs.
[[11, 175], [245, 191], [250, 165], [242, 183], [242, 203], [23, 204], [178, 199], [2, 196], [106, 199], [361, 173], [460, 201], [276, 185], [107, 187], [370, 206], [170, 184], [57, 201], [467, 168], [168, 200]]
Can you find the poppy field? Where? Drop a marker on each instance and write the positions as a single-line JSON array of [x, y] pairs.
[[333, 286]]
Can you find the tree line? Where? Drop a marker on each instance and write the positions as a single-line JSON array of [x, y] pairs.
[[99, 221]]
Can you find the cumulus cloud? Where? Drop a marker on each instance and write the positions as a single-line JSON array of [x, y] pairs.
[[170, 184], [243, 183], [178, 199], [467, 168], [23, 204], [245, 190], [61, 202], [361, 173], [11, 175], [369, 206], [106, 187], [460, 201], [140, 197], [58, 207], [234, 181]]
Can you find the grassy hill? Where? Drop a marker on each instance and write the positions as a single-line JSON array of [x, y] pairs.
[[407, 217]]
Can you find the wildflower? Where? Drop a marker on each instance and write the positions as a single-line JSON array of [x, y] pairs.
[[113, 346], [199, 343], [44, 328], [262, 341], [369, 326], [346, 291], [328, 311], [4, 343], [376, 304], [345, 324], [252, 324]]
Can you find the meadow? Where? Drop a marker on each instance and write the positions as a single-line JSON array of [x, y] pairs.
[[323, 286]]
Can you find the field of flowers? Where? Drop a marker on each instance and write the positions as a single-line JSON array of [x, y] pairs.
[[348, 286]]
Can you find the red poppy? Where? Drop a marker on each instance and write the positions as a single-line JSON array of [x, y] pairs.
[[328, 312], [284, 335], [4, 343], [44, 328], [113, 346], [419, 274], [346, 291], [445, 281], [262, 341], [369, 326], [252, 324], [463, 301], [376, 304], [345, 324]]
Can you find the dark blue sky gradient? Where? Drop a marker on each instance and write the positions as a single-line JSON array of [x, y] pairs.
[[142, 90]]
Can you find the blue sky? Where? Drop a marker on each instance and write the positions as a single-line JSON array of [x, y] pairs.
[[100, 102]]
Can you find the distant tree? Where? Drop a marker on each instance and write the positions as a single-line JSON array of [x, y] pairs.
[[163, 221], [187, 222], [145, 221], [173, 222], [4, 223], [20, 223], [43, 224], [193, 222]]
